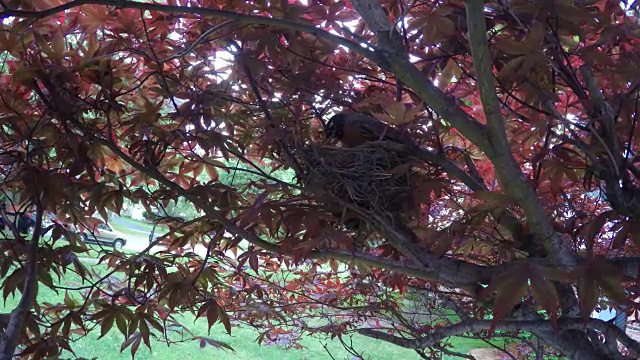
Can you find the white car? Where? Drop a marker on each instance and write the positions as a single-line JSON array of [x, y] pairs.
[[105, 235]]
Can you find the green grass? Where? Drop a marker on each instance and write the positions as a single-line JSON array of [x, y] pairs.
[[242, 339], [145, 225], [160, 229]]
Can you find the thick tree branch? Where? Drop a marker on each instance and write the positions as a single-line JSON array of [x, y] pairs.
[[391, 48], [483, 66], [622, 194], [630, 266], [9, 340], [506, 167], [464, 274], [473, 326]]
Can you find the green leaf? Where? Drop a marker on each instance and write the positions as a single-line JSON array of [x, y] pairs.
[[545, 295], [224, 319], [121, 323], [612, 288], [588, 294], [510, 287], [106, 324]]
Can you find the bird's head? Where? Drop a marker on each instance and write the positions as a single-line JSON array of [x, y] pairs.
[[335, 126]]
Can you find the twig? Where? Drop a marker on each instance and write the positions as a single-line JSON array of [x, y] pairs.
[[202, 38], [455, 353], [324, 345], [267, 113]]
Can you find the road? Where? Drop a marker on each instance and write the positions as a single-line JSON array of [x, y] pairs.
[[140, 241]]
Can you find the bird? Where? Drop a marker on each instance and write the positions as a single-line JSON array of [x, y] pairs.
[[355, 129]]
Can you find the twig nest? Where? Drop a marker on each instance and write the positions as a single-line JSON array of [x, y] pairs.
[[375, 176]]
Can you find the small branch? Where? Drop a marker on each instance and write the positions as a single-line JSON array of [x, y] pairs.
[[202, 38], [632, 131], [473, 170], [603, 113], [267, 113], [216, 237], [324, 345]]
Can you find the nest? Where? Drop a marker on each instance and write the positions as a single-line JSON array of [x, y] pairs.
[[375, 176]]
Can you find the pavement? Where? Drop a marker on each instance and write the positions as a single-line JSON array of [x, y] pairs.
[[487, 354], [141, 242]]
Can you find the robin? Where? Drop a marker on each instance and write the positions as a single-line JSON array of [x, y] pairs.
[[355, 129]]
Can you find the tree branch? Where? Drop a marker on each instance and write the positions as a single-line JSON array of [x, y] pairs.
[[396, 59], [454, 353], [450, 272], [533, 326], [390, 45], [630, 266], [234, 16], [18, 316], [506, 167], [483, 66], [509, 221]]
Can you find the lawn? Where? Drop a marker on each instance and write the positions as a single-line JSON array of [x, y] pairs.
[[242, 340], [143, 224], [135, 233]]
